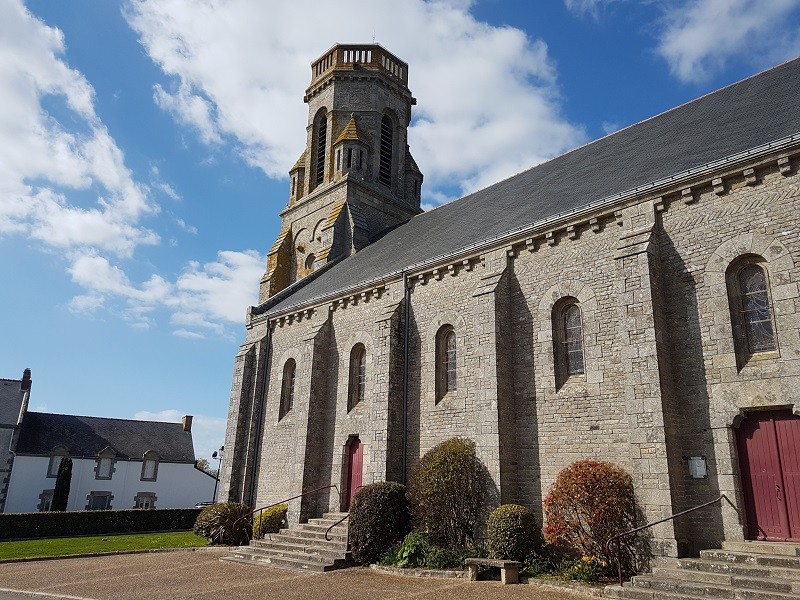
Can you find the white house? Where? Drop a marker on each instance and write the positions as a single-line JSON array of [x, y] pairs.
[[117, 464]]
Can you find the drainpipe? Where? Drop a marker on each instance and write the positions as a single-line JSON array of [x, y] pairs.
[[262, 391], [406, 353]]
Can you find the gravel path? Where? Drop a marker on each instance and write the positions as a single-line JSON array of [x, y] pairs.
[[201, 575]]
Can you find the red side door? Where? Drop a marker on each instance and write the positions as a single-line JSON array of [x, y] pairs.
[[354, 467], [769, 457]]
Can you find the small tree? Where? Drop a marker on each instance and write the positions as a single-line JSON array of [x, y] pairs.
[[590, 502], [511, 532], [378, 518], [449, 493], [63, 483]]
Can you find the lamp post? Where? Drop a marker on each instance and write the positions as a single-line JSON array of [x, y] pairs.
[[218, 456]]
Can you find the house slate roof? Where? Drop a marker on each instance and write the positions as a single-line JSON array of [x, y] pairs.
[[10, 402], [86, 436], [753, 112]]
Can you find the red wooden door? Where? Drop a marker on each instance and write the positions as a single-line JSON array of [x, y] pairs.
[[354, 465], [769, 457]]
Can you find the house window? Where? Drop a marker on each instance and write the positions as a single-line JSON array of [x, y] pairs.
[[358, 375], [99, 501], [56, 456], [144, 500], [387, 143], [751, 308], [568, 340], [104, 468], [45, 501], [445, 361], [149, 466], [287, 388]]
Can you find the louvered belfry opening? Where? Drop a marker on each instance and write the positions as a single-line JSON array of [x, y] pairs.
[[387, 135], [322, 132]]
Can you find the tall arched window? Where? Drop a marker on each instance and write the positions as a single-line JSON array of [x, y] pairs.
[[321, 132], [358, 375], [387, 145], [567, 340], [751, 308], [287, 388], [445, 361]]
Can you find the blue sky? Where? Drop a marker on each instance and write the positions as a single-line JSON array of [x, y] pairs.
[[144, 147]]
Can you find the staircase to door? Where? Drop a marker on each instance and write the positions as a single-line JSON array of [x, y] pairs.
[[740, 570], [302, 547]]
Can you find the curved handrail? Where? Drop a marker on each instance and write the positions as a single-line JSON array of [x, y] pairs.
[[619, 536], [328, 530], [252, 513]]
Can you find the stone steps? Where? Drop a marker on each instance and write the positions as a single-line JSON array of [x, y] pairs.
[[737, 571], [302, 547]]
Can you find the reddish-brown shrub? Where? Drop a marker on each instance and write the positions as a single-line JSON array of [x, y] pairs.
[[590, 502]]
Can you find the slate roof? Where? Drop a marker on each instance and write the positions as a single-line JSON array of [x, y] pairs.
[[739, 117], [10, 402], [86, 436]]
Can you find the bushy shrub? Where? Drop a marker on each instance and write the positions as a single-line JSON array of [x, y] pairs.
[[511, 532], [270, 521], [590, 502], [94, 522], [449, 492], [378, 518], [224, 523], [417, 551]]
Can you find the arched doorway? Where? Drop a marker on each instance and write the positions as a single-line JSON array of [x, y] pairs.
[[769, 460], [354, 452]]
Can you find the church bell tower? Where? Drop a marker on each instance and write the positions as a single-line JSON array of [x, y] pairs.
[[356, 176]]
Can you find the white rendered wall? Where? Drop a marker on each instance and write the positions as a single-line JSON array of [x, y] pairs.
[[177, 485]]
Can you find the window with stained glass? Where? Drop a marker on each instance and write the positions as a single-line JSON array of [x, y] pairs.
[[573, 340], [756, 310], [287, 388], [358, 375]]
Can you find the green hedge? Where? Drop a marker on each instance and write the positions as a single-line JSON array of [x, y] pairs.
[[15, 526]]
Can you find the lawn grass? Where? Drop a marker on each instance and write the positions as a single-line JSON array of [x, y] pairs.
[[99, 543]]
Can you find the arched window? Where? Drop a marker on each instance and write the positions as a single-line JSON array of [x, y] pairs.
[[567, 340], [321, 131], [310, 262], [149, 466], [387, 145], [751, 308], [358, 375], [57, 454], [445, 361], [104, 468], [287, 388]]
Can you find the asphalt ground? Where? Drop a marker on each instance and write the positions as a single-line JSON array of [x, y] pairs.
[[201, 575]]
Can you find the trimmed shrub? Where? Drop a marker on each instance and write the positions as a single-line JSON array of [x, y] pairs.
[[225, 523], [270, 521], [590, 502], [449, 493], [511, 532], [378, 518], [15, 526]]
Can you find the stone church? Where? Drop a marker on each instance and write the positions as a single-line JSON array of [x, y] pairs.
[[634, 300]]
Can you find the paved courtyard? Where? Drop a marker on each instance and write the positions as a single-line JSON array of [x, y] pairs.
[[201, 575]]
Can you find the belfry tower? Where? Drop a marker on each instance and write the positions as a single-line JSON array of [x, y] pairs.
[[356, 177]]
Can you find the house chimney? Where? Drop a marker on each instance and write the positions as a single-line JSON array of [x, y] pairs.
[[187, 423], [25, 384]]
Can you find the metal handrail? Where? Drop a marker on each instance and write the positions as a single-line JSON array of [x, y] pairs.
[[347, 516], [619, 536], [263, 508]]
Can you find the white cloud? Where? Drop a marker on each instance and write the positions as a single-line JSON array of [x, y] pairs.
[[42, 162], [488, 101], [202, 298], [187, 228], [701, 36], [587, 7], [208, 433]]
